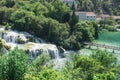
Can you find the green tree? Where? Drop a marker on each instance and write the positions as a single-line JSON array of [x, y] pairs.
[[73, 21], [85, 5], [40, 61], [95, 25], [100, 65], [5, 14], [60, 10], [83, 68], [25, 21], [107, 59], [39, 9], [13, 65], [54, 31], [9, 3], [105, 76], [87, 30]]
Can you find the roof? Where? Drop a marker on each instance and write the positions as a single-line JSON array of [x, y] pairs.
[[87, 13], [104, 15], [108, 16], [90, 14], [116, 17]]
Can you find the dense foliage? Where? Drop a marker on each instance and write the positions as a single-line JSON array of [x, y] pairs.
[[13, 65], [108, 24], [48, 19], [56, 23], [111, 7], [100, 65]]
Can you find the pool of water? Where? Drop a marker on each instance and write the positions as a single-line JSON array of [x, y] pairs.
[[109, 38]]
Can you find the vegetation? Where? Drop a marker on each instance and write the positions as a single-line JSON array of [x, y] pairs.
[[50, 20], [111, 7], [100, 65], [55, 22], [108, 24], [13, 65]]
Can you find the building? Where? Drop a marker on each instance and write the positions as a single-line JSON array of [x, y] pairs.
[[104, 16], [116, 17], [86, 16], [107, 17]]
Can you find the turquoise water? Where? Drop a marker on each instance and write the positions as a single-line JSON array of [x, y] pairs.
[[109, 38]]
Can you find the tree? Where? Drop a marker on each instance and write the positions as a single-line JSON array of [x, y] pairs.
[[73, 21], [13, 65], [54, 31], [97, 5], [83, 67], [46, 74], [95, 25], [9, 3], [105, 76], [100, 65], [41, 61], [85, 5], [87, 30], [108, 24], [5, 14], [106, 59], [39, 9], [25, 21], [42, 70], [60, 10], [73, 42]]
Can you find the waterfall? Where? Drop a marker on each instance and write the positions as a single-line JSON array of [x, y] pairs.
[[10, 37], [26, 41], [50, 49]]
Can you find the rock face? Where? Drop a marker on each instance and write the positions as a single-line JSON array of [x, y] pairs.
[[25, 41]]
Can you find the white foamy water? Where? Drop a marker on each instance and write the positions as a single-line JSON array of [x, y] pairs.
[[26, 41]]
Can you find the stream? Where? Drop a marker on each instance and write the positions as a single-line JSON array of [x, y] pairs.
[[36, 46], [32, 44]]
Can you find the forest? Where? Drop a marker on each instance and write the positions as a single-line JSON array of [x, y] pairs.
[[36, 17], [111, 7], [57, 23]]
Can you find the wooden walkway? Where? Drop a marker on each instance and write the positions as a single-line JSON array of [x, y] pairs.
[[103, 46]]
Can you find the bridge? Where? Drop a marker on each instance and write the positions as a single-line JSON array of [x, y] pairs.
[[103, 46]]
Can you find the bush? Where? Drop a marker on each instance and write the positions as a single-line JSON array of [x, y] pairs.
[[13, 65]]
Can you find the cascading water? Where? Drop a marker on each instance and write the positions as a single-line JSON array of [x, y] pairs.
[[10, 37], [26, 41]]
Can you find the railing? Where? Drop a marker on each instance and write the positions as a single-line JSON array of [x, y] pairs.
[[103, 46]]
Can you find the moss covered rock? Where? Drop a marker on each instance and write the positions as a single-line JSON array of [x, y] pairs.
[[2, 43]]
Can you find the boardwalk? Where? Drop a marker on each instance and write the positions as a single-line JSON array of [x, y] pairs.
[[103, 46]]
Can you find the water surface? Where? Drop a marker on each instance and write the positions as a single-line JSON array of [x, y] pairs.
[[109, 38]]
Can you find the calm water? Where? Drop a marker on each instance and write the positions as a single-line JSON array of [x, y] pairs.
[[109, 38]]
